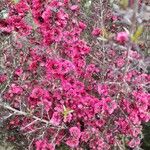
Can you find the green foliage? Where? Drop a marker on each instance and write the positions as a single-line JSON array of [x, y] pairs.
[[63, 147], [124, 3], [146, 133], [15, 1], [137, 34], [86, 4]]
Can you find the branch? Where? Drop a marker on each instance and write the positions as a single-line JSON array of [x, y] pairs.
[[19, 112]]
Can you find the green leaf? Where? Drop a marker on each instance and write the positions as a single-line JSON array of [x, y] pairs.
[[88, 4], [137, 34], [66, 111], [15, 1], [124, 3], [4, 14]]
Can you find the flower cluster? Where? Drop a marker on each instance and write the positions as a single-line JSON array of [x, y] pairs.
[[85, 102]]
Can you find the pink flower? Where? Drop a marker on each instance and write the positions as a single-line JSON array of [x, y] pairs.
[[75, 132], [66, 66], [82, 25], [44, 145], [19, 71], [120, 62], [56, 119], [85, 136], [68, 118], [39, 144], [108, 105], [50, 146], [145, 116], [74, 7], [96, 32], [103, 89], [134, 142], [136, 131], [23, 6], [122, 37], [3, 78], [111, 107], [47, 14], [90, 69], [53, 66], [47, 104], [134, 117], [134, 54], [16, 89], [36, 92], [97, 107], [33, 66], [72, 142], [62, 15], [114, 18]]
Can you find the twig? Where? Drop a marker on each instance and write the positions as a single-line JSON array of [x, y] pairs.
[[6, 106], [29, 124]]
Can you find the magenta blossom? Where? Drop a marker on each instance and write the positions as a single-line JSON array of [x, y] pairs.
[[122, 37], [96, 32]]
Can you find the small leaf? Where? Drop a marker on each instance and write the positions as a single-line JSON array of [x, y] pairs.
[[88, 4], [137, 34], [124, 3], [15, 1], [4, 14], [105, 34], [66, 111]]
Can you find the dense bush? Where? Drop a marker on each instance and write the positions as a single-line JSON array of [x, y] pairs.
[[67, 80]]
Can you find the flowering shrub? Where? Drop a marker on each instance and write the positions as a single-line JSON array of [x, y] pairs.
[[62, 88]]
